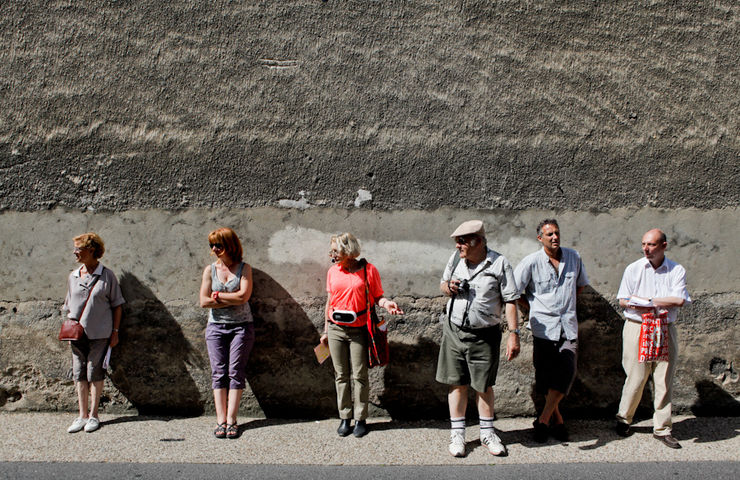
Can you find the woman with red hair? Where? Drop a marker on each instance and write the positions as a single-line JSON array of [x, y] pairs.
[[225, 290]]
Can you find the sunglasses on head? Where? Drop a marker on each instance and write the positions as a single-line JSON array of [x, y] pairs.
[[219, 246]]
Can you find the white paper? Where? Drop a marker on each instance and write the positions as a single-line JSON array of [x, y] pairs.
[[106, 362], [640, 302]]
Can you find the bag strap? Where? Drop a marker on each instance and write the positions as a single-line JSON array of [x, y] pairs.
[[455, 262], [372, 347], [92, 286], [367, 291]]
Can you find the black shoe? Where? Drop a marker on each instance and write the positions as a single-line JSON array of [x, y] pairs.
[[345, 427], [623, 429], [559, 432], [668, 440], [540, 431], [360, 429]]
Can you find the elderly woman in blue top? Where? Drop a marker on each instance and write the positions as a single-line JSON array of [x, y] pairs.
[[94, 298], [225, 289]]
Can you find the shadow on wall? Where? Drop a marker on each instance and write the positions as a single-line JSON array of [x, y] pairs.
[[282, 370], [598, 385], [714, 401], [410, 390], [149, 366]]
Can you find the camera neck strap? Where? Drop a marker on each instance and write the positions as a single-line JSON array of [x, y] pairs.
[[455, 263]]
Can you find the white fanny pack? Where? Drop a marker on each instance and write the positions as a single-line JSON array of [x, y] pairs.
[[345, 316]]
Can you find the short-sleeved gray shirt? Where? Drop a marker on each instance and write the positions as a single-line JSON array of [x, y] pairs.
[[552, 294], [493, 284], [97, 319]]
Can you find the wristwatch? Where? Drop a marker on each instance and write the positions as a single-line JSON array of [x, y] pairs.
[[516, 330]]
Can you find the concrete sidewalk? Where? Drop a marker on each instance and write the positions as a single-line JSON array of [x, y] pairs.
[[43, 437]]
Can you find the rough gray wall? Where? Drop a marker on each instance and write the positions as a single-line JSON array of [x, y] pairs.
[[594, 105], [395, 120], [161, 365]]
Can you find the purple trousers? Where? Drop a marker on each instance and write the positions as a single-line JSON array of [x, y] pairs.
[[228, 350]]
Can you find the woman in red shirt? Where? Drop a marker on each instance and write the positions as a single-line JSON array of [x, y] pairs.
[[345, 327]]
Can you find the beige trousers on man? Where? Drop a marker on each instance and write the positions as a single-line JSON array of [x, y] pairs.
[[638, 373], [348, 346]]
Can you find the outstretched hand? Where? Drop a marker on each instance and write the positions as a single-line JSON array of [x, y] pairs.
[[392, 308]]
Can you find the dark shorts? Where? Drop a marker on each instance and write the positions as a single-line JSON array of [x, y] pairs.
[[469, 357], [87, 359], [554, 364], [228, 350]]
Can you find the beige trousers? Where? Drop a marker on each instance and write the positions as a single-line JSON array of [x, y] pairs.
[[638, 373], [348, 346]]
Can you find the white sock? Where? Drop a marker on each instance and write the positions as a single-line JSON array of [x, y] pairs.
[[486, 426], [458, 425]]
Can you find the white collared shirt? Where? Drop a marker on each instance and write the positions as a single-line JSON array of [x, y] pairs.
[[642, 280]]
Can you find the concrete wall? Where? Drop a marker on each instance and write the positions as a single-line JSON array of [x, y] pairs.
[[153, 123]]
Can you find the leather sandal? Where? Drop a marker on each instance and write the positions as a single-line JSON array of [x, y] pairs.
[[232, 431], [220, 431]]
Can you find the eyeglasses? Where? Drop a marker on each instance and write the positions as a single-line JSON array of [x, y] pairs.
[[79, 249], [217, 246]]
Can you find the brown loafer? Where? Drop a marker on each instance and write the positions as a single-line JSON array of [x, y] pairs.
[[623, 429], [668, 440]]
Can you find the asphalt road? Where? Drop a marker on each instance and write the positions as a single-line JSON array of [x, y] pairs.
[[184, 471]]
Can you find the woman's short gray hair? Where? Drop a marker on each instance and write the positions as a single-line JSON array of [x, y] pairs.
[[347, 244]]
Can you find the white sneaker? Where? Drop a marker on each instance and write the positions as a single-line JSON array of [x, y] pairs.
[[457, 444], [491, 440], [92, 424], [77, 425]]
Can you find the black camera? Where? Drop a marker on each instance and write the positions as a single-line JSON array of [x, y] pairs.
[[464, 286]]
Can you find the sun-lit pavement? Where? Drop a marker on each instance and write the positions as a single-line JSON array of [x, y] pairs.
[[42, 437]]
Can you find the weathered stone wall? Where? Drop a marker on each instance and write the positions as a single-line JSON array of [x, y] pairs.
[[162, 365], [154, 123]]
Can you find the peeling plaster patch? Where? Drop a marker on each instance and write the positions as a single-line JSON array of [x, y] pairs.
[[298, 245], [304, 245], [515, 248], [407, 257], [301, 204], [362, 197]]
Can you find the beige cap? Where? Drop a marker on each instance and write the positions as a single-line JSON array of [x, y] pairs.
[[468, 228]]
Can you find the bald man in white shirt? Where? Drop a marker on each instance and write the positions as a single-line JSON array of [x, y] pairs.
[[661, 283]]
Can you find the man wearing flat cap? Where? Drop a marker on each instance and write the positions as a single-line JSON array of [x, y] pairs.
[[480, 283]]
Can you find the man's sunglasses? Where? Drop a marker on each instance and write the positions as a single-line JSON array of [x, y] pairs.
[[464, 240]]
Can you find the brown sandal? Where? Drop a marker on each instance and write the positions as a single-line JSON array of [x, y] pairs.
[[232, 430], [220, 431]]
